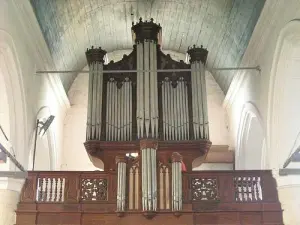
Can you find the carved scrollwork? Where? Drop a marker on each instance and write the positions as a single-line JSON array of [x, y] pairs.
[[204, 189], [93, 189]]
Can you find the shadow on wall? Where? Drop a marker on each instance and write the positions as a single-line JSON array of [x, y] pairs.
[[250, 152]]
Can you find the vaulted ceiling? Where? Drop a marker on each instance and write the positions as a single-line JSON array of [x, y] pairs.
[[224, 27]]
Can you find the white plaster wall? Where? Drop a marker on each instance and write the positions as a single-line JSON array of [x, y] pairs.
[[254, 87], [75, 122], [23, 51]]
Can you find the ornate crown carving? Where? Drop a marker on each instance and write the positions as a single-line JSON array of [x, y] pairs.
[[95, 55], [198, 54], [146, 30]]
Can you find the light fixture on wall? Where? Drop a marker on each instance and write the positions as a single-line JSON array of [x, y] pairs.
[[41, 128]]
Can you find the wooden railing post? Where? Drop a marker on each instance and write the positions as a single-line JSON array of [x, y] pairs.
[[72, 189], [29, 190], [226, 187], [269, 187]]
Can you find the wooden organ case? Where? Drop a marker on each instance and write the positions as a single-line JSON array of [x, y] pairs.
[[147, 121]]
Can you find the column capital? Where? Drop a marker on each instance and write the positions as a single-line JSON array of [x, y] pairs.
[[146, 30], [148, 143], [121, 159], [176, 157], [95, 55], [197, 54]]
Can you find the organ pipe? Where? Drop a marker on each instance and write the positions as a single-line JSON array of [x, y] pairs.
[[121, 186], [149, 183], [176, 182]]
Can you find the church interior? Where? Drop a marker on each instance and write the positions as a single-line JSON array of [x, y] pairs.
[[118, 112]]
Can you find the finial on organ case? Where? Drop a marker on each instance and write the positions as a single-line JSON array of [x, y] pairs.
[[197, 53], [146, 30], [95, 55]]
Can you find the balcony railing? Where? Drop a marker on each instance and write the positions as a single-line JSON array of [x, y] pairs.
[[92, 196], [100, 187]]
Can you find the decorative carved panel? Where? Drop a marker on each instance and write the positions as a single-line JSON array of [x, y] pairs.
[[204, 189], [247, 188], [93, 189]]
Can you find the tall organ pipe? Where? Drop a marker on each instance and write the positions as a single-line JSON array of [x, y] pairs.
[[95, 61], [204, 94], [147, 87], [130, 110]]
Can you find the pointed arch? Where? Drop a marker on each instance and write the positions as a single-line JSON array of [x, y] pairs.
[[11, 72]]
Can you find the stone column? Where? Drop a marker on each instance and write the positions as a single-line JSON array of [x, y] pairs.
[[9, 198], [288, 192]]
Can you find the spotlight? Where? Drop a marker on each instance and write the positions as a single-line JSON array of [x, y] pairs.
[[45, 125], [43, 129]]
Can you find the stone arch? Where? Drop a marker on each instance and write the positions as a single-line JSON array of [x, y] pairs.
[[250, 152], [283, 121], [12, 76]]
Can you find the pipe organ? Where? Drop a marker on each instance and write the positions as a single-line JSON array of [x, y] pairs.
[[160, 115], [147, 104]]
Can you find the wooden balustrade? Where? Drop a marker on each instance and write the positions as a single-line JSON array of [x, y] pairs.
[[76, 197]]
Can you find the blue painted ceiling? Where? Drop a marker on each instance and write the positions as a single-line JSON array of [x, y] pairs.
[[223, 26]]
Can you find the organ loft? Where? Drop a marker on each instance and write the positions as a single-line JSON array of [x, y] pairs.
[[147, 121]]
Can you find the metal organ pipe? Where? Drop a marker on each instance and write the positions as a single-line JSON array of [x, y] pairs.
[[176, 182], [155, 94], [121, 191], [149, 182], [204, 102], [152, 89], [147, 87], [90, 97], [130, 110], [140, 90]]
